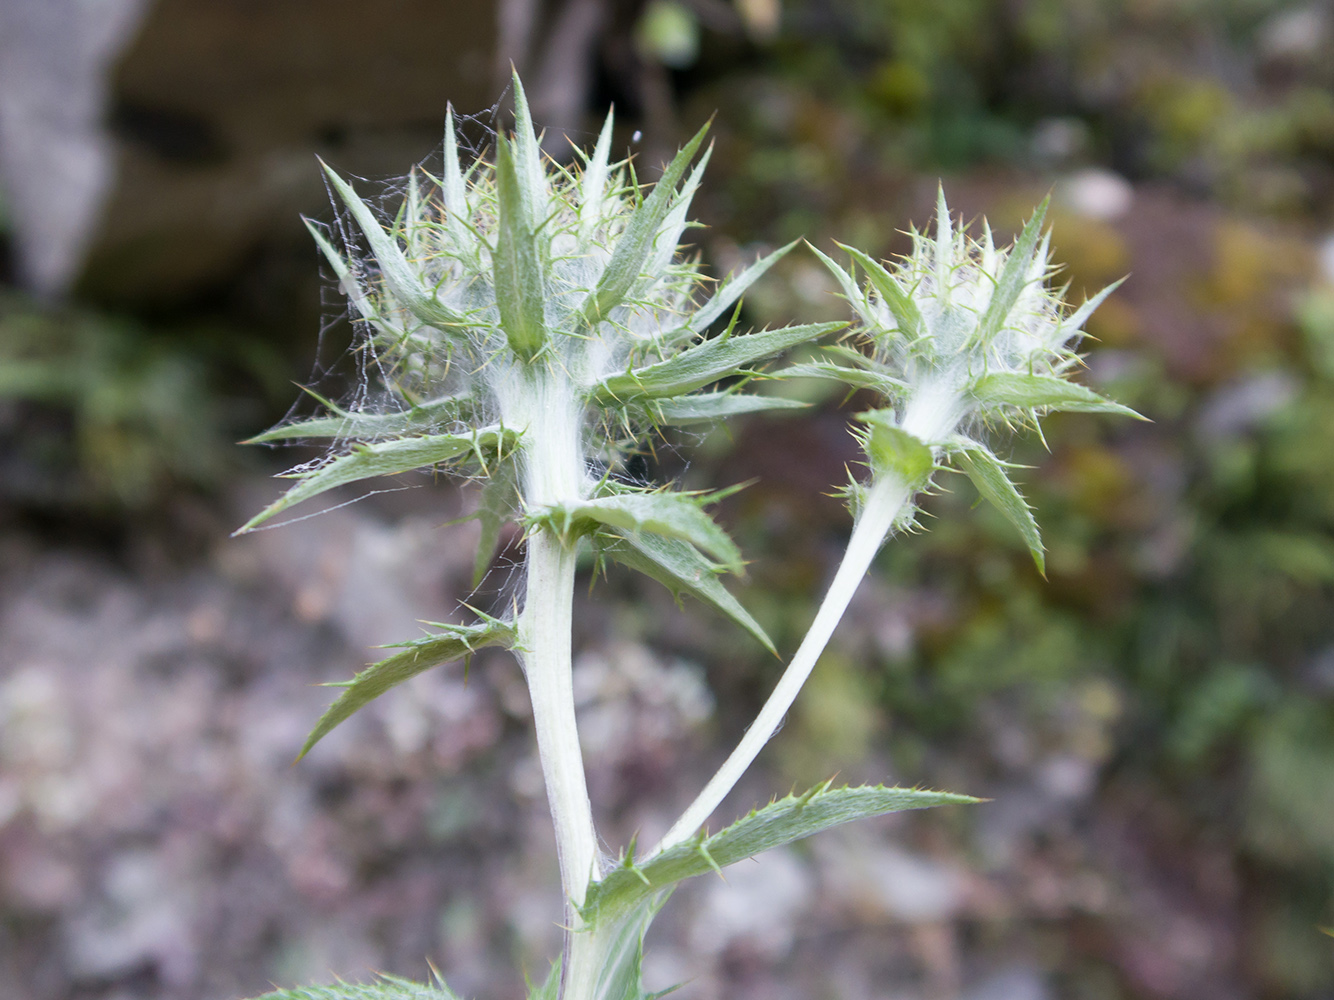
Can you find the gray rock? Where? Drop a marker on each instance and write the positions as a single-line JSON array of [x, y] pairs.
[[166, 173], [56, 160]]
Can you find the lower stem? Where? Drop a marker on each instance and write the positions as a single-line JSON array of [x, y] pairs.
[[547, 666], [884, 502], [546, 640]]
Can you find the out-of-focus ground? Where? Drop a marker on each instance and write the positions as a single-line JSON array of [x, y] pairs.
[[1154, 722]]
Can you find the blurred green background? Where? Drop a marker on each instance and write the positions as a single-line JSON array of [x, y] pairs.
[[1154, 720]]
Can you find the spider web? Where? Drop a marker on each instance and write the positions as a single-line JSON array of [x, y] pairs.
[[346, 369]]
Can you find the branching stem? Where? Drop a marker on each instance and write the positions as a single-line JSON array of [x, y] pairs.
[[885, 500]]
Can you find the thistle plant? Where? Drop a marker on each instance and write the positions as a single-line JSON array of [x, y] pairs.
[[532, 325]]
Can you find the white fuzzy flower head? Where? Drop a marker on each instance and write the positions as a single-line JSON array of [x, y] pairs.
[[962, 333], [520, 261], [527, 322], [964, 327]]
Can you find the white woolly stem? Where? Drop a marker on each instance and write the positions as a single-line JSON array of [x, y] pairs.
[[885, 500], [554, 474], [546, 662]]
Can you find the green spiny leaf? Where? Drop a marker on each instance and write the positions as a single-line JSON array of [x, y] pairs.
[[1077, 319], [532, 179], [593, 189], [668, 237], [670, 514], [704, 407], [988, 475], [854, 378], [727, 294], [944, 244], [1014, 276], [453, 189], [636, 242], [384, 988], [848, 284], [893, 451], [520, 294], [368, 426], [1044, 391], [703, 364], [900, 304], [418, 655], [782, 822], [399, 275], [350, 285], [623, 955], [412, 216], [681, 568], [387, 458], [550, 987]]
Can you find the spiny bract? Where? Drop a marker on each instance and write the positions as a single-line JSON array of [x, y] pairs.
[[961, 334]]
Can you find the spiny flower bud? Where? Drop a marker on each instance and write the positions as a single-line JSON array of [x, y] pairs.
[[962, 334]]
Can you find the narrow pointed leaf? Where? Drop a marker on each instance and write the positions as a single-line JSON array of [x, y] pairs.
[[944, 243], [680, 568], [988, 475], [704, 363], [453, 189], [531, 177], [550, 987], [728, 293], [856, 359], [672, 515], [1046, 391], [495, 509], [636, 243], [412, 216], [848, 284], [593, 190], [400, 277], [349, 284], [853, 378], [779, 823], [668, 237], [384, 988], [387, 458], [1014, 276], [896, 298], [623, 955], [704, 407], [417, 656], [354, 426], [1077, 319], [520, 295]]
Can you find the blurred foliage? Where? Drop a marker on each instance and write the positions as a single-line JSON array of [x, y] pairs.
[[1228, 98], [98, 411]]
